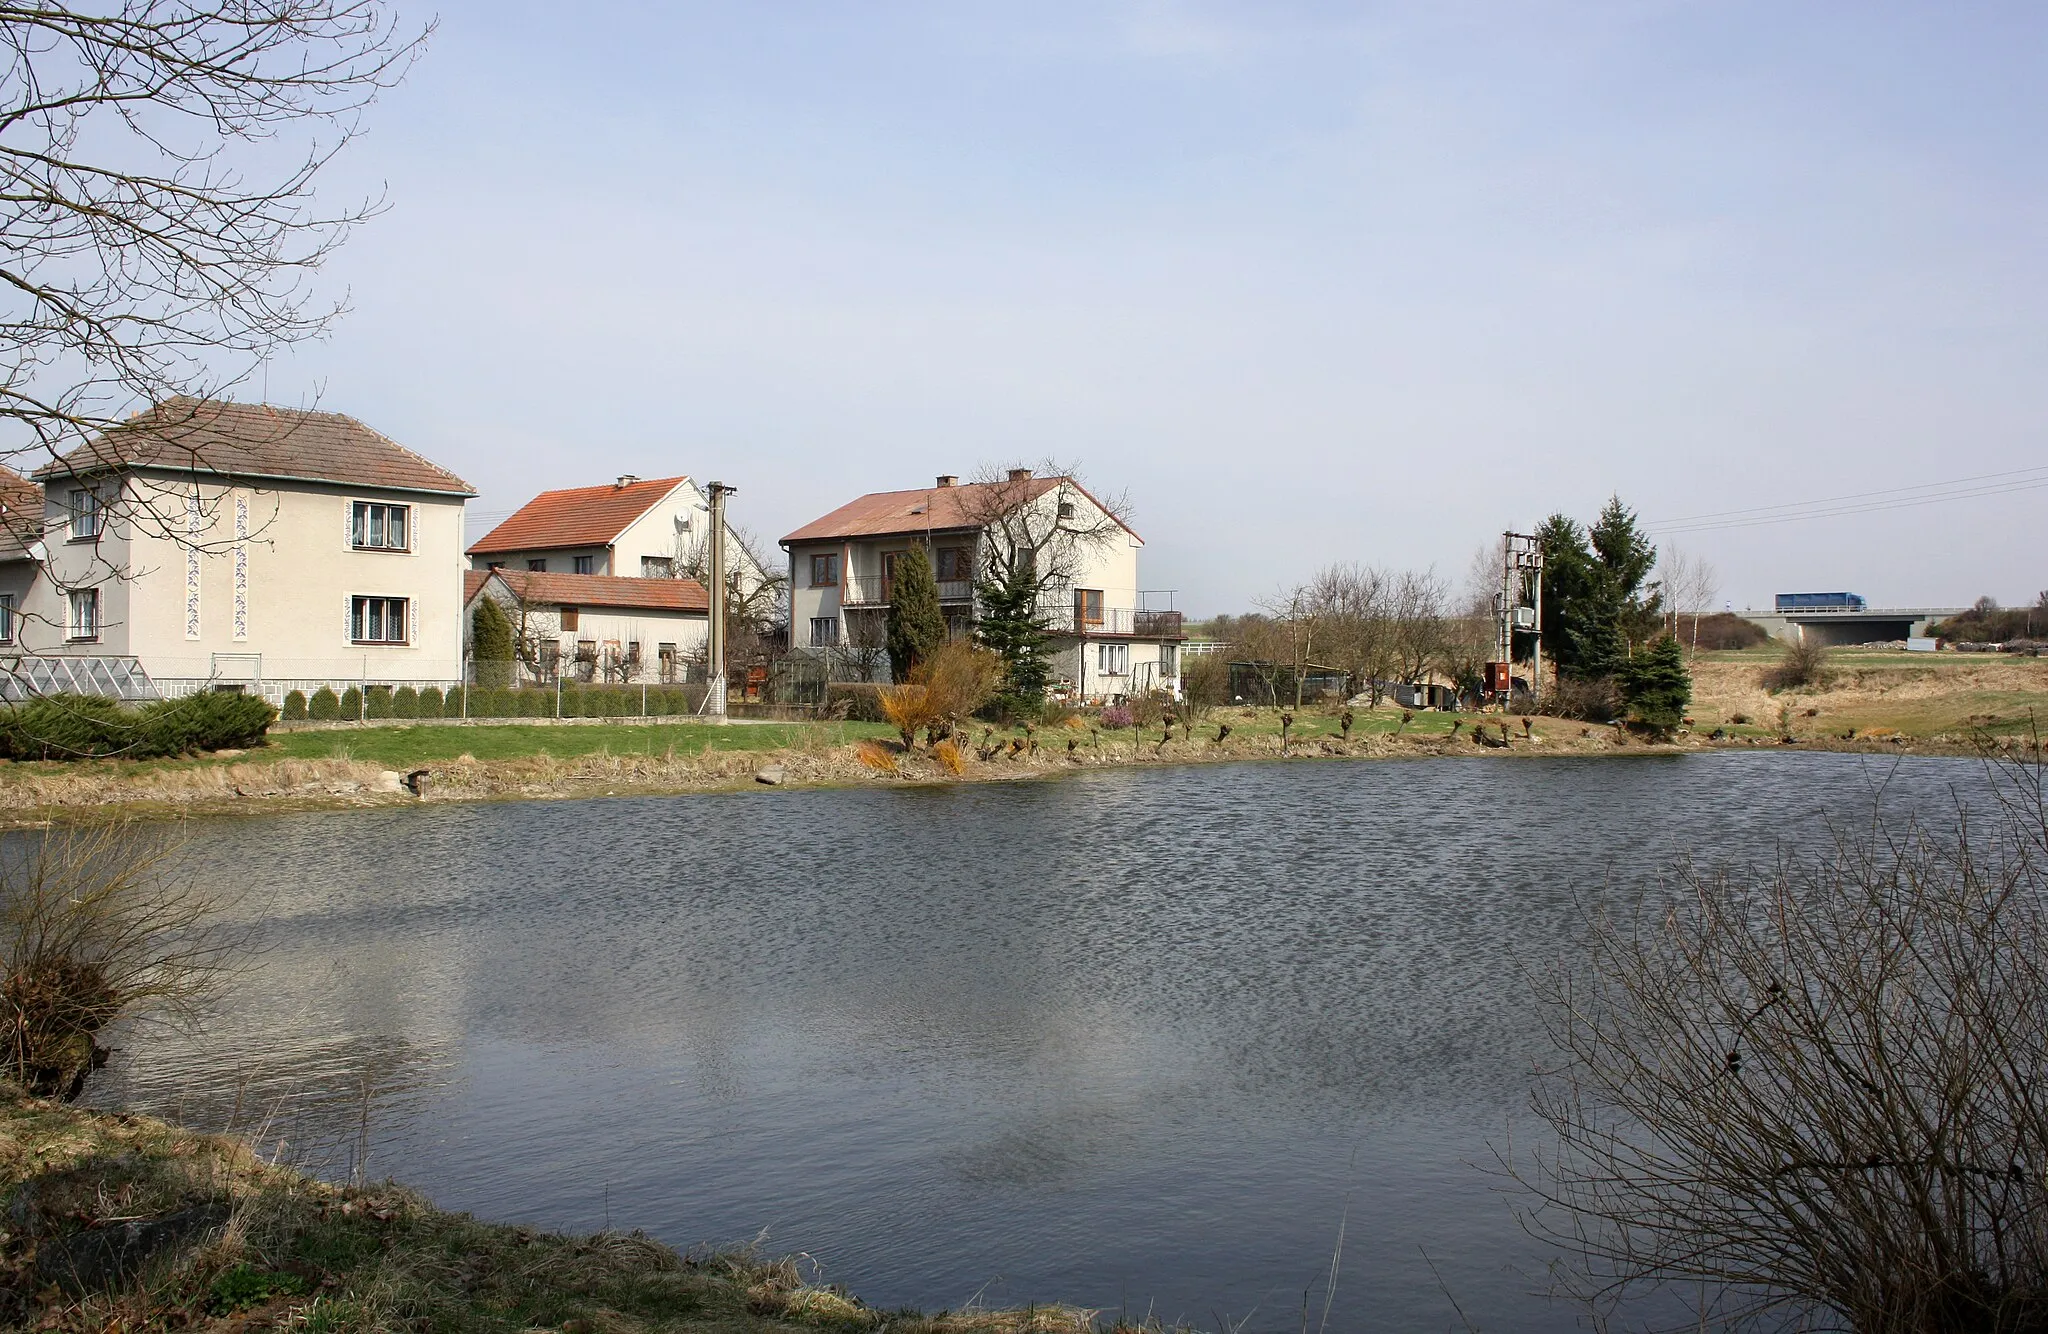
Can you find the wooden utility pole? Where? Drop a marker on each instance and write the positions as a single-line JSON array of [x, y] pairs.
[[714, 698]]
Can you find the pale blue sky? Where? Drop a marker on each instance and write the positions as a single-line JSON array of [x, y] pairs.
[[1311, 282]]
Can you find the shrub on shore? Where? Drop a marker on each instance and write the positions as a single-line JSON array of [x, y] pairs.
[[1805, 664], [72, 727]]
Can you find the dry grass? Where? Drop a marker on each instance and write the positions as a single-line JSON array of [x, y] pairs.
[[302, 1255], [1941, 700]]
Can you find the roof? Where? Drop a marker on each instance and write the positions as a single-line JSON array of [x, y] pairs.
[[21, 512], [582, 516], [257, 441], [595, 590], [882, 513]]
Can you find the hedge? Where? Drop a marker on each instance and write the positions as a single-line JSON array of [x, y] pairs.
[[431, 704], [65, 727], [295, 706], [324, 707], [405, 702]]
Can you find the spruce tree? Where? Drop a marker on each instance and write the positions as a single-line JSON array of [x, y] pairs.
[[916, 625], [1657, 686], [1008, 625]]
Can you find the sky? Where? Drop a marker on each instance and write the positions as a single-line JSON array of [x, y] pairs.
[[1309, 283]]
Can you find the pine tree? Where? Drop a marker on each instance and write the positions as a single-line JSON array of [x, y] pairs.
[[491, 643], [1657, 686], [1593, 607], [916, 625]]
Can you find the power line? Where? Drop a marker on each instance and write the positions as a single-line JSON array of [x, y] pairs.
[[1866, 502]]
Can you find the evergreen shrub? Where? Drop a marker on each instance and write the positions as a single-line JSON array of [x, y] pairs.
[[405, 702], [351, 704], [377, 702], [431, 704], [295, 706], [324, 707]]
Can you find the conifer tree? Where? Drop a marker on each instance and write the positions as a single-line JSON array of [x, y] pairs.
[[916, 626], [491, 643], [1010, 626], [1657, 686]]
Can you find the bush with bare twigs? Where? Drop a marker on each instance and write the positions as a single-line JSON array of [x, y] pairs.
[[1815, 1099], [945, 686], [98, 924], [1805, 664]]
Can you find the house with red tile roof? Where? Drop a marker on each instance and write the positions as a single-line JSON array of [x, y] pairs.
[[241, 545], [1110, 637], [636, 528], [599, 627]]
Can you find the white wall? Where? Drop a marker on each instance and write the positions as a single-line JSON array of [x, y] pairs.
[[283, 551]]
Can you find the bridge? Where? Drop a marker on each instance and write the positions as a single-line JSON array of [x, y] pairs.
[[1829, 626]]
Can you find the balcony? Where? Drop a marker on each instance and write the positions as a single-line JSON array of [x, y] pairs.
[[869, 590], [1135, 622]]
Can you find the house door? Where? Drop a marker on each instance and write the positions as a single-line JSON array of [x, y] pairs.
[[889, 559]]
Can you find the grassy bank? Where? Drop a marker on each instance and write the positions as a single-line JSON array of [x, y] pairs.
[[1891, 703], [243, 1244]]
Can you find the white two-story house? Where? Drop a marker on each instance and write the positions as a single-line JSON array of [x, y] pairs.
[[633, 528], [594, 627], [1110, 638], [241, 546]]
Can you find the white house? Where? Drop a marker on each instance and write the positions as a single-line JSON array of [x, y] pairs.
[[237, 545], [1111, 639], [596, 627], [631, 528]]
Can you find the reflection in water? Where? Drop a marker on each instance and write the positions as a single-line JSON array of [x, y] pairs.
[[1129, 1038]]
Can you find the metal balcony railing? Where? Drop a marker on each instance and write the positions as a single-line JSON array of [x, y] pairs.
[[871, 590]]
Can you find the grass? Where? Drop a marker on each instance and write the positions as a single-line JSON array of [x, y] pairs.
[[299, 1254]]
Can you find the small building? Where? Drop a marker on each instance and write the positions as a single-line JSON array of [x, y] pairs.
[[1110, 638], [631, 528], [595, 627], [237, 546]]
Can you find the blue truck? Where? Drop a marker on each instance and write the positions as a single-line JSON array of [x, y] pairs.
[[1820, 602]]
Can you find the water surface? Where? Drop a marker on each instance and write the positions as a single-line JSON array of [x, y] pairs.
[[1135, 1039]]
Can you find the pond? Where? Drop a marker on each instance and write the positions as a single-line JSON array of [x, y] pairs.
[[1142, 1040]]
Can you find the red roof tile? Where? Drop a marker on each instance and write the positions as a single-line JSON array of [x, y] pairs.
[[934, 509], [583, 516], [21, 512], [258, 442], [597, 590], [473, 582]]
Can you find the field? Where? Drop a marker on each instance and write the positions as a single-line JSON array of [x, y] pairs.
[[1938, 699]]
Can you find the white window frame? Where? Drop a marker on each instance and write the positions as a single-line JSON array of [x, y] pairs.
[[360, 621], [6, 618], [1113, 659], [830, 626], [84, 623], [360, 513], [88, 514]]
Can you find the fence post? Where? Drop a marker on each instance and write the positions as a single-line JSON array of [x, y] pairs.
[[558, 697], [643, 699], [466, 687]]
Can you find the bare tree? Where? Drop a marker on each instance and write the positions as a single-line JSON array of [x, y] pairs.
[[148, 251], [1689, 585], [1816, 1099], [756, 594]]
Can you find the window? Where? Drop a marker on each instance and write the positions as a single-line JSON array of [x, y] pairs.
[[586, 650], [657, 567], [85, 515], [824, 631], [825, 571], [376, 527], [1088, 606], [539, 565], [956, 563], [1113, 659], [495, 565], [6, 618], [665, 657], [1066, 509], [1169, 660], [632, 653], [572, 618], [378, 620], [85, 613], [583, 564], [550, 659]]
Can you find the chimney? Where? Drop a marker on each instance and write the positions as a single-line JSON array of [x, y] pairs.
[[947, 479], [626, 479], [1020, 474]]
